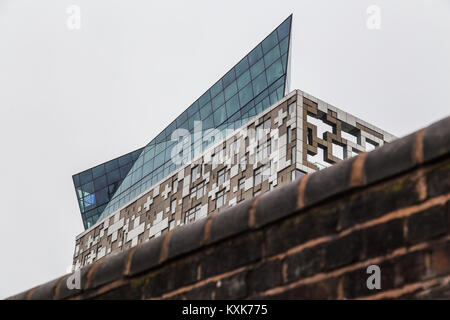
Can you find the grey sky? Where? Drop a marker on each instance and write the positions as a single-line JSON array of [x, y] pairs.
[[72, 99]]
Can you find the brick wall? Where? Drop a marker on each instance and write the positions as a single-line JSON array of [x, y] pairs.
[[313, 238]]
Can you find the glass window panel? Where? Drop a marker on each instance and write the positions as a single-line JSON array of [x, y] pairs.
[[230, 125], [232, 105], [112, 188], [139, 162], [193, 109], [88, 223], [218, 100], [259, 107], [160, 147], [100, 182], [259, 84], [255, 55], [195, 117], [168, 152], [88, 187], [274, 86], [230, 90], [208, 123], [284, 45], [159, 138], [136, 153], [238, 122], [274, 71], [125, 159], [147, 168], [283, 29], [98, 171], [127, 167], [159, 160], [165, 133], [246, 94], [85, 176], [182, 118], [270, 42], [235, 117], [243, 80], [136, 175], [124, 171], [111, 165], [151, 151], [183, 125], [102, 196], [216, 88], [100, 210], [76, 180], [280, 92], [222, 128], [241, 67], [205, 111], [170, 129], [220, 115], [261, 97], [91, 214], [272, 55], [283, 61], [228, 78], [245, 117], [204, 99], [247, 107], [273, 97], [257, 68], [147, 156]]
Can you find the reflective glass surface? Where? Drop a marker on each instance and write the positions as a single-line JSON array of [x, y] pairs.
[[251, 86], [96, 186]]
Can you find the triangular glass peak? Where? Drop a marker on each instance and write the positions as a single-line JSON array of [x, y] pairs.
[[256, 82]]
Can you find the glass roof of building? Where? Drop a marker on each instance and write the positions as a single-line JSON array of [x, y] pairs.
[[96, 186], [252, 85]]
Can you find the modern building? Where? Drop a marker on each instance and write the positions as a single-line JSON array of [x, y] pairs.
[[245, 135]]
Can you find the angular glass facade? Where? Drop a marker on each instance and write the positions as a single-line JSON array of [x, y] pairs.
[[251, 86], [96, 186]]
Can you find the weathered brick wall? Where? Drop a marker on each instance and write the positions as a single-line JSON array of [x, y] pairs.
[[313, 238]]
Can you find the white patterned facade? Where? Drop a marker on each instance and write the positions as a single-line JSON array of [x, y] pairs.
[[302, 134]]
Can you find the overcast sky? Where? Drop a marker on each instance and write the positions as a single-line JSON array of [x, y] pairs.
[[71, 99]]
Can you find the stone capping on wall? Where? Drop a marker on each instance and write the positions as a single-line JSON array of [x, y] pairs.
[[426, 146]]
